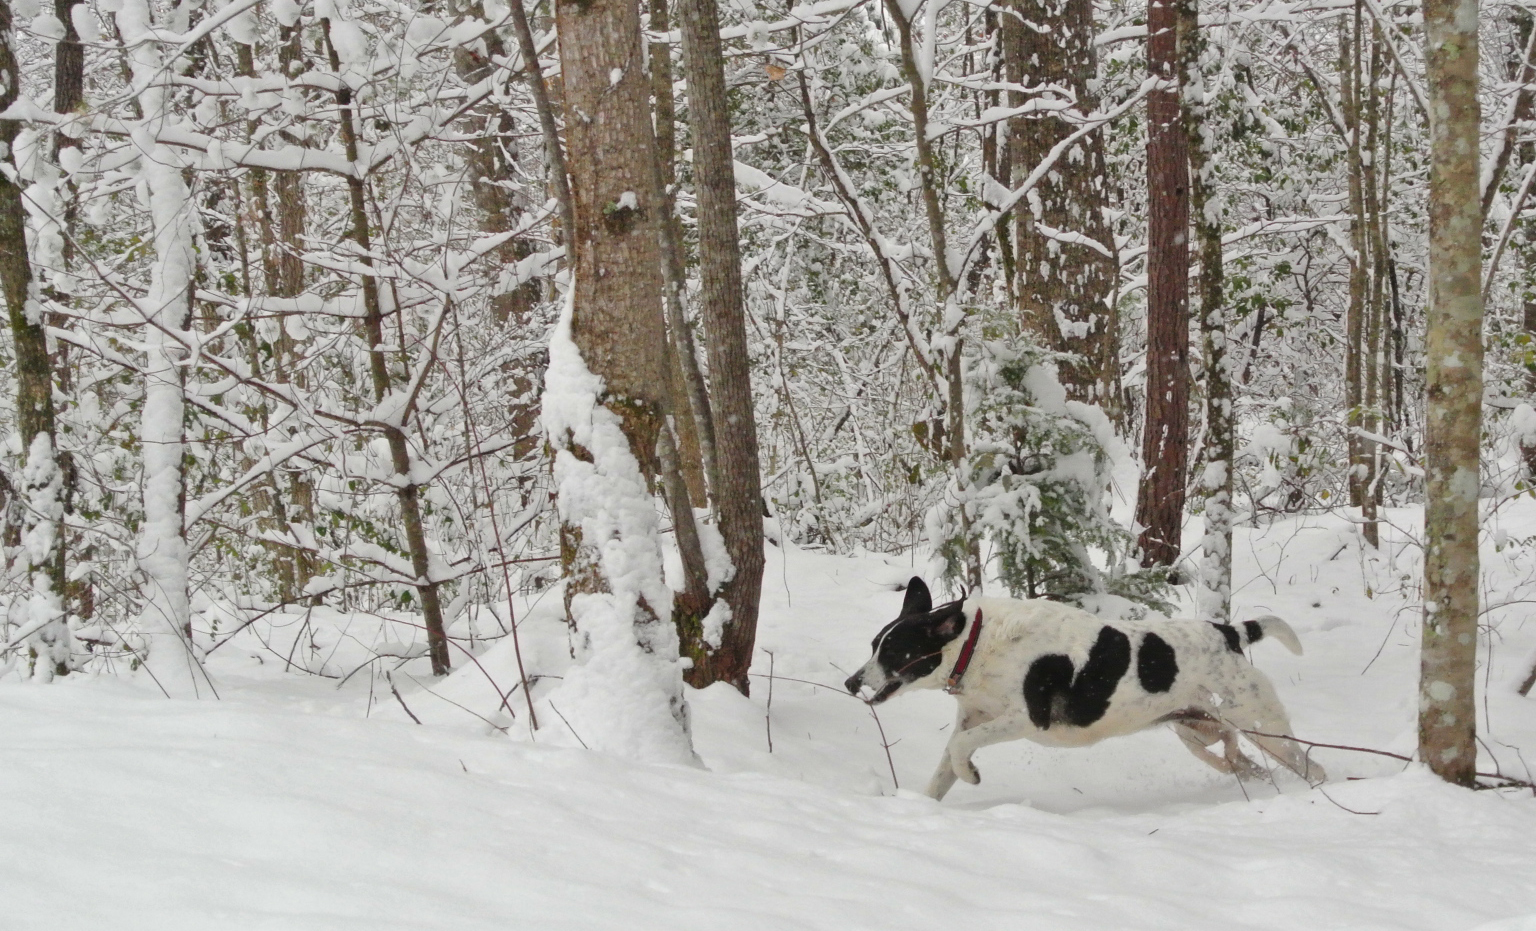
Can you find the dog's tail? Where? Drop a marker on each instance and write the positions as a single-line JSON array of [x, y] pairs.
[[1270, 626]]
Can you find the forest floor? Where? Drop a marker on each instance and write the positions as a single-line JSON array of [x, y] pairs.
[[301, 801]]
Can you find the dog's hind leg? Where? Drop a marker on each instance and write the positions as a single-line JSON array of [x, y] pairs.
[[1196, 736], [1262, 714]]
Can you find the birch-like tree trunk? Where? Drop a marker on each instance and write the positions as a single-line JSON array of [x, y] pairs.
[[166, 617], [1359, 262], [1165, 437], [1454, 372]]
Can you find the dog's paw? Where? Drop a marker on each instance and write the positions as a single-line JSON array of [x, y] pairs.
[[967, 770]]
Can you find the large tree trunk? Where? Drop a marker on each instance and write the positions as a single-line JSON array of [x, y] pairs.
[[606, 428], [1454, 372], [1066, 266], [1220, 423], [1165, 440], [723, 652], [41, 480]]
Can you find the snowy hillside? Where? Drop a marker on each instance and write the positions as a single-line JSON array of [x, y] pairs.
[[293, 802]]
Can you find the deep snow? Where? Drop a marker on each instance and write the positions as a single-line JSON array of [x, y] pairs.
[[292, 803]]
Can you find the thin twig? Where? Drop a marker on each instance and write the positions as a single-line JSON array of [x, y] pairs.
[[768, 712], [399, 698], [568, 726]]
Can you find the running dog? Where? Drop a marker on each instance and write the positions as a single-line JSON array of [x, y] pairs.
[[1061, 677]]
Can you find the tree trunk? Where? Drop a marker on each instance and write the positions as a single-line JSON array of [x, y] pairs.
[[555, 157], [1373, 181], [41, 488], [691, 420], [1165, 439], [1220, 423], [1065, 252], [166, 616], [1359, 262], [394, 434], [606, 430], [1454, 373], [739, 495], [281, 232]]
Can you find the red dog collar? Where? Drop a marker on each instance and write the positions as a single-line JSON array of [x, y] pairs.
[[966, 652]]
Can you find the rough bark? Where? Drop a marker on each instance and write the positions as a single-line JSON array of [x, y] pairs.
[[617, 326], [738, 496], [1165, 437], [692, 420], [399, 446], [1065, 259], [1454, 367], [42, 522]]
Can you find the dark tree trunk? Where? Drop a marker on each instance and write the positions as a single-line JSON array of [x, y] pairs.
[[1165, 440], [1065, 284], [399, 446], [41, 486], [692, 420], [739, 494]]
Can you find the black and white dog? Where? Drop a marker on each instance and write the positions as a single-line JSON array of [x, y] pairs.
[[1062, 677]]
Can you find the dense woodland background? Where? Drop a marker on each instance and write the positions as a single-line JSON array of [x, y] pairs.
[[285, 282]]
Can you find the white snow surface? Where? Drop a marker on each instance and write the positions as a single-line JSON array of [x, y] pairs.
[[294, 803]]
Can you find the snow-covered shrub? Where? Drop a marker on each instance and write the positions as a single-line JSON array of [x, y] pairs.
[[1034, 494]]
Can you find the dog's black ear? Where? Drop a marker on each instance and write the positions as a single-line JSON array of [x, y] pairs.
[[918, 600]]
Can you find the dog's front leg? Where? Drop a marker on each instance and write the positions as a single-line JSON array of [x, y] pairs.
[[943, 778], [980, 734], [945, 775]]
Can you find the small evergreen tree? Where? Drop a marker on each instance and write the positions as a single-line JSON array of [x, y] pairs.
[[1036, 489]]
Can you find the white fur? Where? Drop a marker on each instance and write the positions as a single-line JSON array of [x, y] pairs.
[[1216, 694]]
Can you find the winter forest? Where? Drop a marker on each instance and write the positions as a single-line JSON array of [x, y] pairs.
[[455, 451]]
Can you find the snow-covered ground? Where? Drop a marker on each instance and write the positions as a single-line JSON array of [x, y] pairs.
[[298, 801]]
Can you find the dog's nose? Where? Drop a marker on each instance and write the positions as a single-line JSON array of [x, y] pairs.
[[854, 683]]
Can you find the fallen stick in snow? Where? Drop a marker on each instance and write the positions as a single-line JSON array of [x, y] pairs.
[[884, 744]]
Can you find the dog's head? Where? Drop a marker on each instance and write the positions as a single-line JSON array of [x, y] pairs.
[[910, 650]]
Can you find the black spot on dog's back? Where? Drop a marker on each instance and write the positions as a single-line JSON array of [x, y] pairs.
[[1156, 666], [1048, 677], [1099, 677], [1234, 639], [1254, 630], [1053, 695]]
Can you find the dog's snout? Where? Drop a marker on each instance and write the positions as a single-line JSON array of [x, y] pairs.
[[854, 683]]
